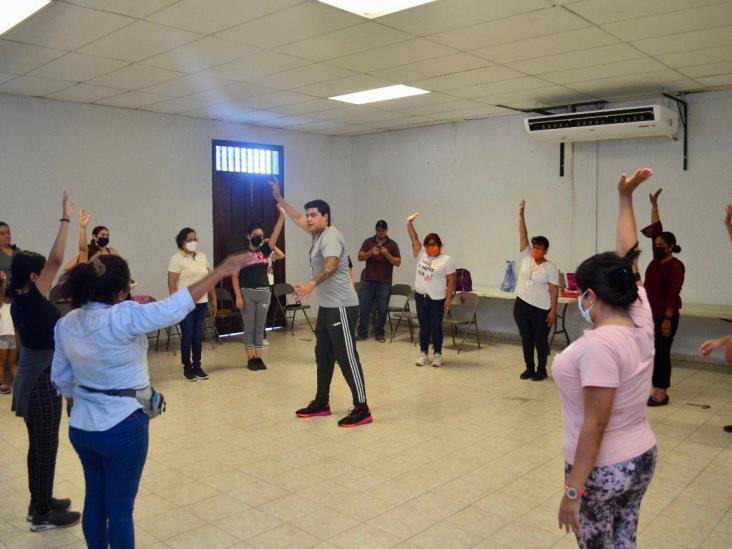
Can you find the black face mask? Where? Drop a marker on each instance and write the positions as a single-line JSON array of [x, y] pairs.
[[256, 241], [659, 252], [102, 241]]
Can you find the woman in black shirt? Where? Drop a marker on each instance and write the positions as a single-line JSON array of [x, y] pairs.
[[251, 289], [35, 399]]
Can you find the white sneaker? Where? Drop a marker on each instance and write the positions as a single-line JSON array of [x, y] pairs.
[[437, 360], [265, 342], [423, 360]]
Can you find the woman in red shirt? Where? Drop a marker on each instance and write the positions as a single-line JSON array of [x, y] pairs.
[[664, 279]]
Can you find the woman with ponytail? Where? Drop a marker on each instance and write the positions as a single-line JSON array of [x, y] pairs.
[[101, 357], [603, 379], [664, 279], [35, 399]]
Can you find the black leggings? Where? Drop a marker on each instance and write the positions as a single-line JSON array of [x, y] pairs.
[[42, 421], [534, 331], [662, 358]]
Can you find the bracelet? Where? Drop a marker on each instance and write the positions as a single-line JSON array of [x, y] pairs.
[[64, 219]]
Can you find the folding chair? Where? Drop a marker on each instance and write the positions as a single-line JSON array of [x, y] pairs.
[[226, 311], [281, 291], [404, 313], [466, 310], [398, 291]]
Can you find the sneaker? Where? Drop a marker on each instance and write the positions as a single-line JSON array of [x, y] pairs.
[[199, 373], [380, 338], [5, 389], [361, 338], [265, 342], [528, 373], [188, 374], [54, 519], [540, 375], [314, 409], [56, 504], [423, 360], [252, 364], [727, 428], [437, 360], [652, 402], [360, 415], [260, 363]]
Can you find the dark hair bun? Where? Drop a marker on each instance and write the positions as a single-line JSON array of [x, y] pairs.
[[611, 277], [676, 249]]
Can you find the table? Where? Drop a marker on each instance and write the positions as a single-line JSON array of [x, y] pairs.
[[493, 292], [704, 310]]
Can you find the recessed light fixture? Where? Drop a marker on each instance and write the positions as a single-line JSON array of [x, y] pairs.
[[379, 94], [17, 11], [371, 9]]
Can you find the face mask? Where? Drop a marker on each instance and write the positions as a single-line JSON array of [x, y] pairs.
[[256, 241], [585, 312], [102, 241], [432, 251], [659, 252], [537, 254], [191, 246]]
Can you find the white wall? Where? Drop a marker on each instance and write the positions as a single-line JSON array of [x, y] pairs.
[[144, 175]]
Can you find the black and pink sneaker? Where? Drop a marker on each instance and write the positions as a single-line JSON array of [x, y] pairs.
[[314, 409], [360, 415]]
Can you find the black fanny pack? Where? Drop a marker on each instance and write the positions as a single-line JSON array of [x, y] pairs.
[[153, 403]]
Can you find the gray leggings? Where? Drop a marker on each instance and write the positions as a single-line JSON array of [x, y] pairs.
[[256, 304]]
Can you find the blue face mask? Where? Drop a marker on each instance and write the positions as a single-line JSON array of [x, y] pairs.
[[585, 312]]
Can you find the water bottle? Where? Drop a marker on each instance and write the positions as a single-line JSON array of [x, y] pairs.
[[509, 279]]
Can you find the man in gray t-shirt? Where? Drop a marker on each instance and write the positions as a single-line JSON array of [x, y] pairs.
[[335, 329]]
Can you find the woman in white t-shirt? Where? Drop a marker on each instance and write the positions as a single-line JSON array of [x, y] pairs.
[[8, 347], [186, 267], [537, 291], [434, 286]]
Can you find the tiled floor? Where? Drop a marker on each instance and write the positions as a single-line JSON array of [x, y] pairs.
[[463, 456]]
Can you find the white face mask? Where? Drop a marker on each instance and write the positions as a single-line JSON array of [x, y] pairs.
[[191, 246], [585, 312]]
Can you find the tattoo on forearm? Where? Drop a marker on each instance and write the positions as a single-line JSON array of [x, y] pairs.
[[331, 266]]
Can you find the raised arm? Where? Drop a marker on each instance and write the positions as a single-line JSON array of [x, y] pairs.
[[728, 221], [655, 215], [275, 236], [626, 236], [296, 215], [56, 255], [416, 244], [277, 254], [523, 233]]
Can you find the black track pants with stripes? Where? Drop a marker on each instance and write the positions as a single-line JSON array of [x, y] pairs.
[[335, 341]]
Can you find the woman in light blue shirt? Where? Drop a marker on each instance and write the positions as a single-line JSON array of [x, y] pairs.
[[101, 348]]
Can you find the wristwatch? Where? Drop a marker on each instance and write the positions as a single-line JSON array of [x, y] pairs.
[[573, 493]]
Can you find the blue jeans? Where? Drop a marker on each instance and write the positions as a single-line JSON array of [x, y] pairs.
[[373, 292], [191, 336], [113, 461], [430, 313]]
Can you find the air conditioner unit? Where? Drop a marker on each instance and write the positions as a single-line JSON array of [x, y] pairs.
[[630, 122]]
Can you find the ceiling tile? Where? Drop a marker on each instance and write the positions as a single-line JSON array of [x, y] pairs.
[[262, 63], [709, 69], [404, 103], [291, 25], [274, 100], [697, 57], [369, 117], [132, 100], [695, 40], [351, 130], [234, 93], [66, 27], [342, 86], [602, 11], [431, 68], [319, 125], [289, 121], [343, 110], [354, 39], [199, 55], [542, 46], [256, 116], [511, 29], [75, 67], [27, 85], [671, 23], [138, 41], [467, 114], [577, 59], [651, 80], [468, 78], [187, 85], [174, 106], [393, 55], [542, 97], [721, 80], [460, 104], [307, 107], [443, 16], [301, 76], [205, 17], [404, 122], [20, 58], [134, 77], [609, 70], [219, 111], [5, 77], [133, 8], [84, 93], [505, 86]]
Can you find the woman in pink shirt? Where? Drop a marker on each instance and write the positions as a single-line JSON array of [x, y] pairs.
[[603, 379]]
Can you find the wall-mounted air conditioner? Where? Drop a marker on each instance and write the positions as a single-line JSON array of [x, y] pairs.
[[626, 123]]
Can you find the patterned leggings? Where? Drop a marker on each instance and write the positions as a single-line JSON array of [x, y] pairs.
[[611, 505]]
